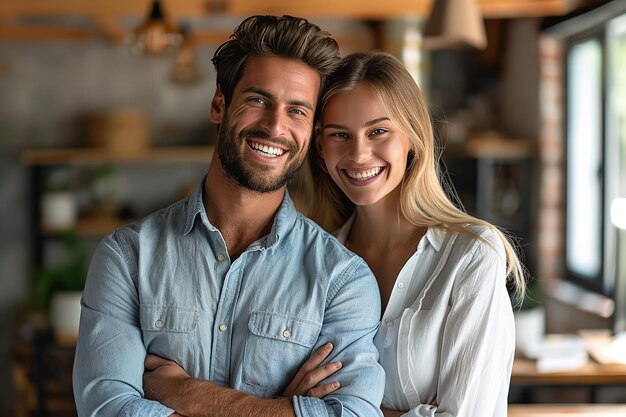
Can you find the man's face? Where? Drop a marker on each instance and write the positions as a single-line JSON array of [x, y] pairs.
[[265, 131]]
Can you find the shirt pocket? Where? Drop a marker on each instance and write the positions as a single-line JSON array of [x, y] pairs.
[[276, 346], [166, 331]]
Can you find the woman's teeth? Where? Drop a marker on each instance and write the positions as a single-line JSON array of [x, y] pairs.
[[265, 150], [364, 175]]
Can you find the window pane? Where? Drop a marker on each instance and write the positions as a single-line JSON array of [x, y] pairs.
[[616, 124], [584, 159], [616, 153]]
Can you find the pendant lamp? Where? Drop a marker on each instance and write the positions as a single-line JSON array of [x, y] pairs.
[[454, 24], [155, 35]]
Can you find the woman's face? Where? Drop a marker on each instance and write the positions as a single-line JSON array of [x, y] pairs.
[[364, 150]]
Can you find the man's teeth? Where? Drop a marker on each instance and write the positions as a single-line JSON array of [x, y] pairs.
[[266, 150], [363, 175]]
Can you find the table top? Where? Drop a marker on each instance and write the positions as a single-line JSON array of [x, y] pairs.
[[563, 410], [592, 373]]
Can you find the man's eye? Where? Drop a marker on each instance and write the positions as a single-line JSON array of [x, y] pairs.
[[299, 112], [258, 100]]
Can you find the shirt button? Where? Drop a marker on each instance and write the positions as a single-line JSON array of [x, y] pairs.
[[223, 327], [400, 284], [287, 334], [388, 322], [158, 324], [220, 257]]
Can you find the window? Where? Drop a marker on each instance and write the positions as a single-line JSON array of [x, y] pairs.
[[595, 132], [616, 160]]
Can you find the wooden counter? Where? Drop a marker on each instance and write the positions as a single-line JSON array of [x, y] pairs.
[[568, 410], [525, 373]]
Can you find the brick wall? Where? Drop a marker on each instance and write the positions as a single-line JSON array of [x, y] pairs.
[[551, 150]]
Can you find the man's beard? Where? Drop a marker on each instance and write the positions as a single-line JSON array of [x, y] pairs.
[[228, 149]]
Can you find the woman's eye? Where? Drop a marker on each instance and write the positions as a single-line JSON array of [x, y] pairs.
[[342, 135], [378, 131]]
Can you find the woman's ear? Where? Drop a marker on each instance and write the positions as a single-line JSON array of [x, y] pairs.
[[317, 138], [217, 107]]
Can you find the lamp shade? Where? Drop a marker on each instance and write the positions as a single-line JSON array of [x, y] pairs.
[[454, 24]]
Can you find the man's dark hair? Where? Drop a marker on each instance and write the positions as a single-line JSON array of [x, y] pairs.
[[281, 36]]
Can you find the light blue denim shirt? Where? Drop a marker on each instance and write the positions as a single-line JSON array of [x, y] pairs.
[[165, 285]]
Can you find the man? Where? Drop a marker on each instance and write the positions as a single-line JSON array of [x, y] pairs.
[[232, 289]]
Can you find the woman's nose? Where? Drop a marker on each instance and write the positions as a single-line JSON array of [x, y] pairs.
[[360, 149]]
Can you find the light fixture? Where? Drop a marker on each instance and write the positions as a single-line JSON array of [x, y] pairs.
[[454, 24], [185, 69], [618, 213], [155, 35]]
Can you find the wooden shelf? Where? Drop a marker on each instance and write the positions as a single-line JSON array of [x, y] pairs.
[[90, 156], [492, 146]]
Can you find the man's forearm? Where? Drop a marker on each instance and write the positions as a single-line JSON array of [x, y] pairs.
[[197, 398], [166, 382]]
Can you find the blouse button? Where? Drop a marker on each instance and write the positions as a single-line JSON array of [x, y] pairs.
[[388, 322], [400, 284]]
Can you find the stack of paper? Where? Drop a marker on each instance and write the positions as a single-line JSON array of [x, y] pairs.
[[560, 353], [605, 348]]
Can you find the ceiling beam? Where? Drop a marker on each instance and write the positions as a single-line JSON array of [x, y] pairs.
[[359, 9]]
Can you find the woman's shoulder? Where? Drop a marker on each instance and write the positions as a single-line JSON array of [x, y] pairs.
[[476, 239]]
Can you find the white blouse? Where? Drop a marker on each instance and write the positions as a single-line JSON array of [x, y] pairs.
[[447, 336]]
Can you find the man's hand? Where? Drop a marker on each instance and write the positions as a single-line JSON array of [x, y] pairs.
[[311, 374]]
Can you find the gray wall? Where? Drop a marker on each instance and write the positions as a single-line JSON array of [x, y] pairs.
[[46, 89]]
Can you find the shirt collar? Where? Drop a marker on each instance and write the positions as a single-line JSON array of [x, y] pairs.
[[435, 236], [195, 207], [283, 221]]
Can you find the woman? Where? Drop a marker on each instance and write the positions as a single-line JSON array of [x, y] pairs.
[[446, 338]]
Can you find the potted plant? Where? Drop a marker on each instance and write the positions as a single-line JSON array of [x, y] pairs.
[[59, 208], [59, 287]]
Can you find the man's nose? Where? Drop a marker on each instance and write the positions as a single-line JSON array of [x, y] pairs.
[[275, 122]]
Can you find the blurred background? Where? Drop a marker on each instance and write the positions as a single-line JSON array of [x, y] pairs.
[[104, 118]]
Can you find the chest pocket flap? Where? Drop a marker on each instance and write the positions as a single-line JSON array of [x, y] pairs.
[[283, 327], [167, 318]]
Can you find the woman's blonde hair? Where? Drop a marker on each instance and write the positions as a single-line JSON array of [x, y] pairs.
[[423, 201]]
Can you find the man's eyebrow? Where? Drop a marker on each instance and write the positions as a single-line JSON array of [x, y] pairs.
[[366, 124], [270, 96]]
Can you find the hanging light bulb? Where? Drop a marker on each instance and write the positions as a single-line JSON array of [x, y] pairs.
[[185, 69], [454, 24], [155, 35]]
